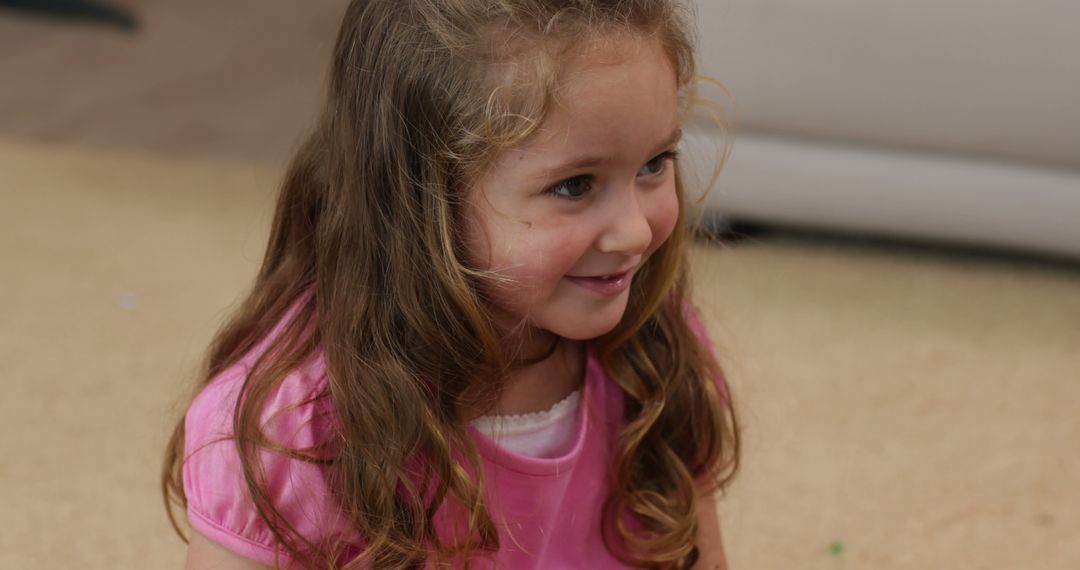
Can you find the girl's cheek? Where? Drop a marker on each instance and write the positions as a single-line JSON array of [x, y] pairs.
[[553, 253], [665, 214]]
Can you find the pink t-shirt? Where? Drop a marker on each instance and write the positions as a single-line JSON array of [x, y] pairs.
[[547, 510]]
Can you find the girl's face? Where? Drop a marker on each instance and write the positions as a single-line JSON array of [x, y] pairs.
[[568, 217]]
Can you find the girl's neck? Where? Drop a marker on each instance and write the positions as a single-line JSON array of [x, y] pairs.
[[538, 387]]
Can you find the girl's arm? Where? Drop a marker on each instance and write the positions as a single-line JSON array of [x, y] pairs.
[[710, 543]]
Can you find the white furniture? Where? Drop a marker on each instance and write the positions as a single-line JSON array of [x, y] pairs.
[[955, 121]]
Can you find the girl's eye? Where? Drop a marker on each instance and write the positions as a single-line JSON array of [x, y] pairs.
[[572, 188], [656, 166]]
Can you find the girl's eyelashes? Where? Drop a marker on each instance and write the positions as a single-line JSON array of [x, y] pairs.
[[655, 167], [575, 188], [572, 188]]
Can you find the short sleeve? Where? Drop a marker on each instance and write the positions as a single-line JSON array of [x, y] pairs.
[[219, 502]]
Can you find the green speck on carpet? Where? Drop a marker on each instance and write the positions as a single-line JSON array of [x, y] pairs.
[[836, 548]]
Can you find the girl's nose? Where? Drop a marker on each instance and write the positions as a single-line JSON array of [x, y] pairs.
[[627, 229]]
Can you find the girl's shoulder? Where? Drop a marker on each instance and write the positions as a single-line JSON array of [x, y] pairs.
[[289, 415], [290, 406], [693, 319], [298, 415]]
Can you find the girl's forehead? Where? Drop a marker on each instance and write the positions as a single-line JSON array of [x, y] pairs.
[[523, 83], [605, 83], [599, 93], [546, 67]]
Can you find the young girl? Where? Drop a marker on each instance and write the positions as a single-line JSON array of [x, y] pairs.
[[470, 343]]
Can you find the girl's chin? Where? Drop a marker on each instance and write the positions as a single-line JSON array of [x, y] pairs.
[[572, 321], [587, 329]]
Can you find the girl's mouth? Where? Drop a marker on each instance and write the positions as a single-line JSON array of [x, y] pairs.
[[606, 285]]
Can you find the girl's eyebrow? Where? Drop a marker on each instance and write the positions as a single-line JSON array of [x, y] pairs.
[[672, 140], [589, 161]]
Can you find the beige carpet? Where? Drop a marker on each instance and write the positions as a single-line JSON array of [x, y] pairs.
[[904, 408]]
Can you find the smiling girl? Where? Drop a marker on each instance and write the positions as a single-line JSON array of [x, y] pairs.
[[471, 341]]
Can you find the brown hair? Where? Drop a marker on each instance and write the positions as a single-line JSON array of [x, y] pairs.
[[422, 95]]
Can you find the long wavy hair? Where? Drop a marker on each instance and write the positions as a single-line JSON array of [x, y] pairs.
[[422, 96]]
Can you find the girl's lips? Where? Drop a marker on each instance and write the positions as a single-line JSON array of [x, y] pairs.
[[609, 287]]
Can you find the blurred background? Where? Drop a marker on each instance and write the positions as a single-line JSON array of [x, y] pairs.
[[890, 265]]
